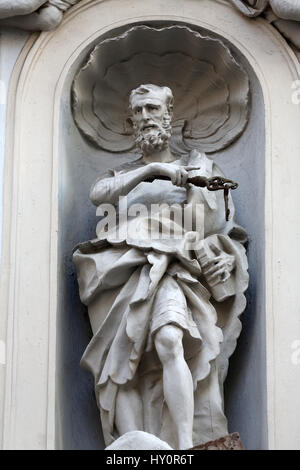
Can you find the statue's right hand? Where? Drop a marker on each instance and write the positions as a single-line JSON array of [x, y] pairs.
[[177, 174]]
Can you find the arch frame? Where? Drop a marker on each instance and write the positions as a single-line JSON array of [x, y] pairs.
[[29, 278]]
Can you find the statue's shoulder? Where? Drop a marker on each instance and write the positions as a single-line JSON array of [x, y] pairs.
[[123, 168], [128, 166]]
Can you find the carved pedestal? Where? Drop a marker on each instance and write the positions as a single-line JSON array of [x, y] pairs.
[[230, 442]]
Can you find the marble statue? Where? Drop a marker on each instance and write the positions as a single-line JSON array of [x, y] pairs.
[[164, 310], [283, 14], [33, 15]]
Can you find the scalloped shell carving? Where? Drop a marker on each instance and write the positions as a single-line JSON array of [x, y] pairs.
[[211, 90]]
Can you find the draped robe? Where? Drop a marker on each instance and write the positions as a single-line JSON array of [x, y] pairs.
[[135, 285]]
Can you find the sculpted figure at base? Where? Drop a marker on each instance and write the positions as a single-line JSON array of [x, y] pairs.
[[164, 310]]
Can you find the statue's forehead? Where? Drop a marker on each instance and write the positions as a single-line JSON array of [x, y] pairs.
[[151, 98]]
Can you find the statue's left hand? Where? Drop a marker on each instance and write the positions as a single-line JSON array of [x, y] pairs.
[[218, 269]]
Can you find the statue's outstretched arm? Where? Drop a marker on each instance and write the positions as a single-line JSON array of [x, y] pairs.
[[108, 190]]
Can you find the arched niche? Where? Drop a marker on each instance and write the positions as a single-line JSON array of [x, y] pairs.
[[49, 169]]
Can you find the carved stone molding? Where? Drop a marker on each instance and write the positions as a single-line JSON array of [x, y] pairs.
[[211, 90], [230, 442], [284, 15], [29, 262], [34, 15], [45, 15], [285, 9]]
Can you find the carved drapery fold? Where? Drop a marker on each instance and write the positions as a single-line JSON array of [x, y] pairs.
[[63, 5], [44, 15], [284, 15], [32, 165]]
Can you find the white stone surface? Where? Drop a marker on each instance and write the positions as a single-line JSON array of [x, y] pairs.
[[286, 9], [283, 14], [2, 353], [29, 277], [33, 15], [138, 440], [11, 44]]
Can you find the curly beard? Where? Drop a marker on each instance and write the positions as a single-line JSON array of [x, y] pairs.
[[154, 139]]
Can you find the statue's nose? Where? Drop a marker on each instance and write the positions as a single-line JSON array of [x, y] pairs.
[[145, 114]]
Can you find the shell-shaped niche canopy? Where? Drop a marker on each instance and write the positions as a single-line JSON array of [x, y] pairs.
[[211, 90]]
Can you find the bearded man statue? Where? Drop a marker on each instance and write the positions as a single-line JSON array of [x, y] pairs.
[[164, 311]]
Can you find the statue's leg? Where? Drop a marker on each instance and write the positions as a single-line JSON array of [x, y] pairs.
[[177, 382], [129, 410]]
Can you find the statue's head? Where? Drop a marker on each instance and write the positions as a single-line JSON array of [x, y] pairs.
[[151, 109]]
